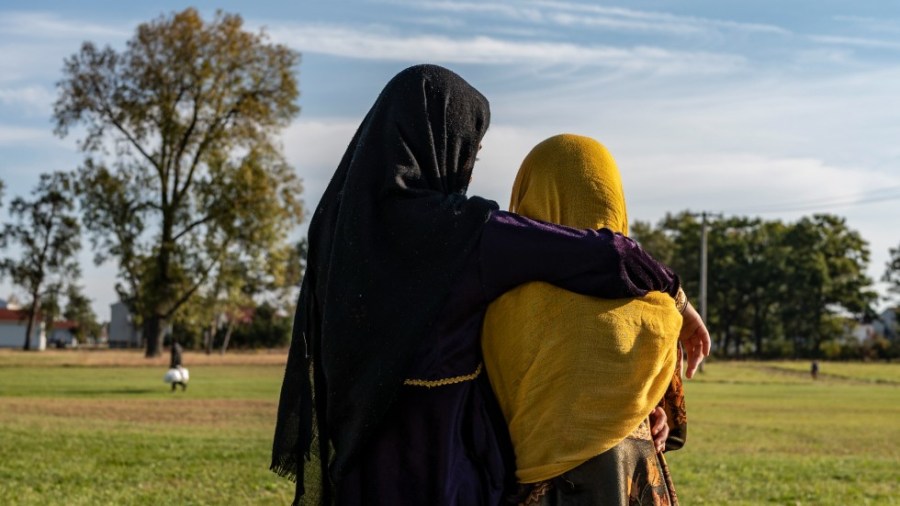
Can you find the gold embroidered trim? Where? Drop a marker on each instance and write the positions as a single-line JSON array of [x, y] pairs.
[[443, 382], [538, 491]]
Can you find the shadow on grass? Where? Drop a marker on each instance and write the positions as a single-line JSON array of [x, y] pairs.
[[115, 391]]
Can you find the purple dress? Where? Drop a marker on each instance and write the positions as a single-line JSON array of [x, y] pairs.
[[444, 440]]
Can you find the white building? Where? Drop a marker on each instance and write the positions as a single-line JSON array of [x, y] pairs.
[[14, 325], [121, 331]]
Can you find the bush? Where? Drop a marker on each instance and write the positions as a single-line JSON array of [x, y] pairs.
[[267, 329]]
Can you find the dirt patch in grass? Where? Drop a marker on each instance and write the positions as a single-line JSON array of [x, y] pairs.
[[134, 358], [178, 411]]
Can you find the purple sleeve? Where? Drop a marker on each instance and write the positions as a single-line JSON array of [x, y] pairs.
[[516, 250]]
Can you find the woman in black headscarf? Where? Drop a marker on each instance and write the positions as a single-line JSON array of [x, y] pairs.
[[401, 268]]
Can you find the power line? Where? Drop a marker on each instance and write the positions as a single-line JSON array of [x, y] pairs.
[[874, 193], [872, 197]]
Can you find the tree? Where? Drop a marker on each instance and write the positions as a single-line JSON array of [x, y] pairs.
[[50, 307], [243, 282], [764, 275], [825, 274], [654, 240], [48, 235], [191, 111], [892, 271], [768, 280], [78, 309], [267, 329]]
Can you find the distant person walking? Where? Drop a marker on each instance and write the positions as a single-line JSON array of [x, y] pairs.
[[177, 374], [175, 360], [814, 369]]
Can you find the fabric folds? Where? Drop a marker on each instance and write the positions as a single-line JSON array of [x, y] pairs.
[[574, 375], [390, 234]]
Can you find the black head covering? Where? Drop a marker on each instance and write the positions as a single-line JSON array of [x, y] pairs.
[[391, 233]]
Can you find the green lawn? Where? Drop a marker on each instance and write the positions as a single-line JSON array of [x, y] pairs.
[[116, 435], [765, 433], [759, 433]]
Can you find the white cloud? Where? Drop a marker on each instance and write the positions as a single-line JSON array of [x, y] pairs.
[[314, 148], [616, 23], [746, 183], [507, 10], [868, 24], [856, 42], [613, 18], [45, 25], [33, 45], [33, 99], [731, 181], [14, 135], [662, 21], [659, 179], [374, 45]]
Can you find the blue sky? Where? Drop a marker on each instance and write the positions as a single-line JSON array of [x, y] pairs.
[[770, 108]]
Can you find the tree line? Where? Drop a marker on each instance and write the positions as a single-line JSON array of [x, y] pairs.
[[778, 289], [183, 185]]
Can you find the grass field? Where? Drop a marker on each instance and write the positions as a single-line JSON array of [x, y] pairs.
[[88, 428], [79, 428]]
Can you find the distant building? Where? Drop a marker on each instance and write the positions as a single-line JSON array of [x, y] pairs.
[[62, 335], [886, 323], [122, 332], [862, 331], [13, 328]]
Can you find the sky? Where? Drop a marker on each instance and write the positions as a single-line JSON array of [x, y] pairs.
[[767, 108]]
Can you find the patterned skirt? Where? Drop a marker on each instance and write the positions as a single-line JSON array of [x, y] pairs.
[[630, 473]]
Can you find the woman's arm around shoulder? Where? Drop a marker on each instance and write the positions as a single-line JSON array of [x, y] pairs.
[[515, 250]]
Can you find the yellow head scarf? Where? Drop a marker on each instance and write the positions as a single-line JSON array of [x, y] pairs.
[[574, 374]]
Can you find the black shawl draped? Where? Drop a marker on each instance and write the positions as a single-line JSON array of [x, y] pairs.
[[389, 236]]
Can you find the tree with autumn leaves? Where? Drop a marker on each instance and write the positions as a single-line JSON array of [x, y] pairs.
[[183, 176]]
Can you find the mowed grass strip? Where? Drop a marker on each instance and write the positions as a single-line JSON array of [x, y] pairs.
[[88, 357], [759, 433]]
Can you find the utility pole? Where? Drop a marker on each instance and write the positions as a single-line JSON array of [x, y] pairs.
[[704, 261], [704, 256]]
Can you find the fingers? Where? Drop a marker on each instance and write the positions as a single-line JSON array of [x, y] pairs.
[[695, 338], [658, 420], [659, 428], [693, 363], [705, 341]]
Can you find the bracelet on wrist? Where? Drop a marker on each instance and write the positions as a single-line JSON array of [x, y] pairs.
[[681, 301]]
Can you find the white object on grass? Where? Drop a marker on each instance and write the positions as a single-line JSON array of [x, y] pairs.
[[176, 374]]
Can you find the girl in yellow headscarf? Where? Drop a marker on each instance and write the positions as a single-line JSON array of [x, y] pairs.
[[577, 376]]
